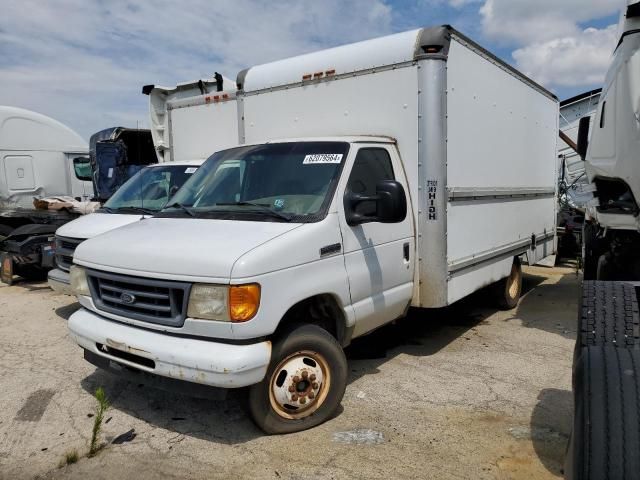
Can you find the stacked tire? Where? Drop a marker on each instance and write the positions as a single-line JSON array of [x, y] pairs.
[[605, 442]]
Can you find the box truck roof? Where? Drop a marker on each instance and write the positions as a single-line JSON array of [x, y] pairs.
[[375, 54], [22, 129]]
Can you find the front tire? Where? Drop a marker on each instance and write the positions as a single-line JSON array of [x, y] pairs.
[[304, 384]]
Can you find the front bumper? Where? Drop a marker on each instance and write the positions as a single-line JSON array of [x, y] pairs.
[[59, 281], [192, 360]]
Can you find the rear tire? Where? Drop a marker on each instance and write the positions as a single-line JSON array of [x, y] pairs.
[[609, 315], [509, 289], [31, 273], [304, 384], [605, 440]]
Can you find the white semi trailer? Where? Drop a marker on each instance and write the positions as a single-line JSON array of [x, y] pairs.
[[405, 171]]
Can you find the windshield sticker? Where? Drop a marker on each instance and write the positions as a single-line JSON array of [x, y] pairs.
[[190, 169], [278, 203], [322, 158]]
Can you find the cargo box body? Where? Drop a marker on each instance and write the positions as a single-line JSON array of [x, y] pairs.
[[477, 140]]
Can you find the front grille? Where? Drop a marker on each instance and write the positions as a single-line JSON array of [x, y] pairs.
[[154, 301], [64, 251]]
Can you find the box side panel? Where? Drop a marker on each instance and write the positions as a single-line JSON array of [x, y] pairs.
[[501, 132], [198, 131], [501, 170]]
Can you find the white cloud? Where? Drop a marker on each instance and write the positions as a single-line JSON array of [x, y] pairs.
[[84, 61], [523, 22], [462, 3], [553, 47], [579, 60]]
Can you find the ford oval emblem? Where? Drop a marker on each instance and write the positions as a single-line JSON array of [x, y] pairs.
[[127, 298]]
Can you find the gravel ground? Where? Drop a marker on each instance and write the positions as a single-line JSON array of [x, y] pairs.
[[463, 392]]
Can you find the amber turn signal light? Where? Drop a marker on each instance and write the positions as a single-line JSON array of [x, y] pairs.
[[244, 301]]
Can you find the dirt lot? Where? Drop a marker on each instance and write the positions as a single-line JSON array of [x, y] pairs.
[[465, 392]]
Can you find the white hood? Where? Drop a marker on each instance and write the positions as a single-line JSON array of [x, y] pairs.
[[89, 226], [177, 248]]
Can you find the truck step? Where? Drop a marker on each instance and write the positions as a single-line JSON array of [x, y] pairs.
[[608, 315]]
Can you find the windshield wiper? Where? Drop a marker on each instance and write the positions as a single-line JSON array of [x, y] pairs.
[[262, 206], [181, 207], [132, 208]]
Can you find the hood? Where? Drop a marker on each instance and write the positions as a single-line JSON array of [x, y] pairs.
[[94, 224], [177, 248]]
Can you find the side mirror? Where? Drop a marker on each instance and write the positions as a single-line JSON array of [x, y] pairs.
[[583, 136], [390, 201]]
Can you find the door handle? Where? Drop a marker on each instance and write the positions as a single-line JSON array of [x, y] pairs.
[[405, 251]]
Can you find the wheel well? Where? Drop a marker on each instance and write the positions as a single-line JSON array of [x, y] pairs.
[[322, 310]]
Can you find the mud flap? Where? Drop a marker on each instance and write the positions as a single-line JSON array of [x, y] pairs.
[[6, 268]]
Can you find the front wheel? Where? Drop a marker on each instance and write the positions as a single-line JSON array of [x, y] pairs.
[[304, 384]]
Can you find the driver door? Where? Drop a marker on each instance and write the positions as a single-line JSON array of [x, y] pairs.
[[378, 256]]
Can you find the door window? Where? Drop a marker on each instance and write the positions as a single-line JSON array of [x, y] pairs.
[[372, 165], [82, 168]]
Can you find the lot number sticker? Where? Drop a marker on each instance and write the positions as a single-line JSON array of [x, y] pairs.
[[322, 158]]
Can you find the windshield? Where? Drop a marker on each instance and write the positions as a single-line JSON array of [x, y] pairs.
[[271, 182], [149, 189]]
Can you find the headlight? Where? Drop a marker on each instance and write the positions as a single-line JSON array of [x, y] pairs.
[[235, 303], [78, 279], [209, 302]]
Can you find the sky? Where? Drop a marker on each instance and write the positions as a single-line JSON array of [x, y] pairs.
[[84, 62]]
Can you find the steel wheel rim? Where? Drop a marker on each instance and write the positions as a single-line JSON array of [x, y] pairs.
[[289, 403], [513, 287]]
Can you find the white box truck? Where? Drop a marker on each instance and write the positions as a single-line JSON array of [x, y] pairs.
[[193, 119], [143, 195], [415, 169]]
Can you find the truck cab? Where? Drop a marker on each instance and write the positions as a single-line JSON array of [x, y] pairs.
[[611, 161]]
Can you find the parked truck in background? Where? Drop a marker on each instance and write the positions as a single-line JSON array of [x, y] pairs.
[[43, 159], [399, 180], [144, 194], [193, 119], [606, 428], [39, 157]]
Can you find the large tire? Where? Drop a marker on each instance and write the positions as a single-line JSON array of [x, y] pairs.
[[31, 273], [606, 431], [609, 314], [288, 399], [508, 290]]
